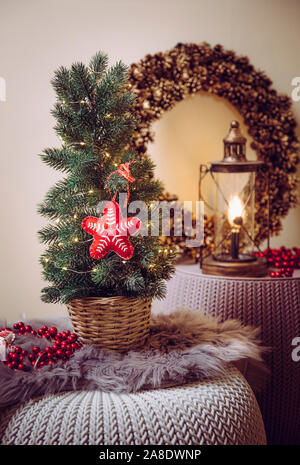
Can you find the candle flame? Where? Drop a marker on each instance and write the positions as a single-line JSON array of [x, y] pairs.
[[235, 209]]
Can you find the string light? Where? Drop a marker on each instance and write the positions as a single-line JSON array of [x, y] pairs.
[[75, 216], [57, 220], [76, 239], [91, 191], [107, 154], [74, 101], [82, 143]]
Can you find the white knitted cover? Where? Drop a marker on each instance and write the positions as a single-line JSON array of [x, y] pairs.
[[220, 411], [271, 304]]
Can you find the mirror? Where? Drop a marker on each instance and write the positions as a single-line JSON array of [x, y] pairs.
[[189, 134]]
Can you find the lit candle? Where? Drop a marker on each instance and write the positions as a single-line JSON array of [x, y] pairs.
[[235, 212]]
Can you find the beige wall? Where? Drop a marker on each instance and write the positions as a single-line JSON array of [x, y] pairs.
[[38, 36]]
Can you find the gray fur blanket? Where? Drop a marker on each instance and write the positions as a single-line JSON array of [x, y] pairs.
[[182, 347]]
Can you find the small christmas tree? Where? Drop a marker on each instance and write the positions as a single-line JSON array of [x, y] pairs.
[[95, 123]]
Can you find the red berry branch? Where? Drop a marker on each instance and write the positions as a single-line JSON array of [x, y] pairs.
[[282, 262], [64, 345]]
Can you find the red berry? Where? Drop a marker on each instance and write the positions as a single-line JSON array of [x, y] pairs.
[[24, 352], [74, 346], [16, 326], [9, 365], [68, 353], [21, 367], [14, 364], [53, 331], [21, 324], [59, 353], [33, 363], [40, 354], [51, 362], [36, 349], [40, 332], [28, 328], [21, 358], [31, 357], [18, 350], [33, 332], [14, 356]]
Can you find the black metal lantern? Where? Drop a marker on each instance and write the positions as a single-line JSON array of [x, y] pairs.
[[234, 183]]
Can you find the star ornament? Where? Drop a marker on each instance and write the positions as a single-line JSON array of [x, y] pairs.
[[111, 232]]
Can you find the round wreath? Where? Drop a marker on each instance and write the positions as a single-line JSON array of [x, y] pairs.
[[161, 80]]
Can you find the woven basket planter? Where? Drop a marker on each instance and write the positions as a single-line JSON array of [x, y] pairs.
[[116, 323]]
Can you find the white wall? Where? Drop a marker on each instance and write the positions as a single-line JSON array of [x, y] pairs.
[[37, 36]]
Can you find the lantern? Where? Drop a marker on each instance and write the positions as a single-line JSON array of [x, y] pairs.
[[234, 180]]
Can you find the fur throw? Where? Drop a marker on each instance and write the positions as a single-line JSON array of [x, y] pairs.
[[183, 346]]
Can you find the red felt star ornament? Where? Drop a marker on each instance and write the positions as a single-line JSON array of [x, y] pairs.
[[111, 232]]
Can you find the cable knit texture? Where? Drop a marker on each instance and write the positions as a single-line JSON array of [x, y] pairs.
[[273, 305], [221, 411]]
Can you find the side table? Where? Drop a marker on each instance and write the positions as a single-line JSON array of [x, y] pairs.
[[268, 303]]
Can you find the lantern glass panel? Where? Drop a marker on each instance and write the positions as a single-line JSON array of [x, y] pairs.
[[234, 215]]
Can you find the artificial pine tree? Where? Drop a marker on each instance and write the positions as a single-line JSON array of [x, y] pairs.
[[95, 123]]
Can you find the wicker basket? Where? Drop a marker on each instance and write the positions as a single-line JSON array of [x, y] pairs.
[[116, 323]]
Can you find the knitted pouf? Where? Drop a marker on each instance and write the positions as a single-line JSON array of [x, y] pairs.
[[271, 304], [219, 411]]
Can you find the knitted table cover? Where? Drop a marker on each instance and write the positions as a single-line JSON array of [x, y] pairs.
[[274, 306], [222, 411]]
